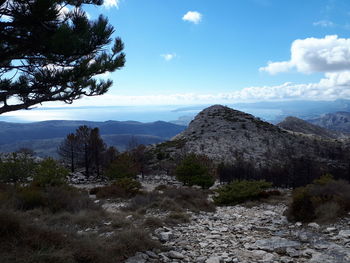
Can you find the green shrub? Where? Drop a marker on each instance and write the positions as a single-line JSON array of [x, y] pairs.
[[16, 168], [173, 199], [53, 199], [123, 166], [195, 170], [122, 188], [188, 198], [49, 173], [65, 198], [323, 201], [240, 191], [131, 186]]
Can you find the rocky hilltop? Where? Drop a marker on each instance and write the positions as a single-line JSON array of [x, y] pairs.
[[298, 125], [339, 121], [227, 135]]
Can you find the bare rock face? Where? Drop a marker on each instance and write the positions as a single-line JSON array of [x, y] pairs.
[[298, 125], [227, 135]]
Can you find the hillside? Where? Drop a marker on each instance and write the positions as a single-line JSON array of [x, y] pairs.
[[339, 121], [227, 135], [44, 137], [298, 125]]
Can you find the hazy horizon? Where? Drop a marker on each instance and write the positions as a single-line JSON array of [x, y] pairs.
[[269, 111]]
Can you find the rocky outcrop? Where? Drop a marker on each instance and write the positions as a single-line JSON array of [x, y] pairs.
[[227, 135]]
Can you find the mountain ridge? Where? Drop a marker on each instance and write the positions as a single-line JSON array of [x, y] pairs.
[[295, 124], [227, 135], [338, 121]]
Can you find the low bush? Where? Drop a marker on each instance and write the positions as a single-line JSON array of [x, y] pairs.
[[54, 199], [323, 201], [49, 173], [240, 191], [173, 199], [129, 241], [195, 170], [29, 198], [269, 193], [68, 199], [25, 241], [122, 188], [176, 218], [192, 199], [153, 222], [131, 186], [16, 168], [124, 166]]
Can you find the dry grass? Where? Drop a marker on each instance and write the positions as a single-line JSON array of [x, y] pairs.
[[175, 218], [25, 241], [152, 222], [173, 199]]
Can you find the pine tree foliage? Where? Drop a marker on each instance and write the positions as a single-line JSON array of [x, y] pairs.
[[48, 53]]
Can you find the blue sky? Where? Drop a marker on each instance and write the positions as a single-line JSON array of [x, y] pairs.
[[186, 52], [223, 52]]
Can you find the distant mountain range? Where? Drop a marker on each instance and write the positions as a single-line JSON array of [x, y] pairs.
[[44, 137], [301, 126], [274, 111], [338, 121]]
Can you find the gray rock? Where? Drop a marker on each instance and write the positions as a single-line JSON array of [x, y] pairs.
[[331, 229], [201, 259], [292, 252], [165, 236], [344, 233], [276, 244], [138, 258], [175, 255], [314, 225], [304, 236], [213, 259], [151, 254]]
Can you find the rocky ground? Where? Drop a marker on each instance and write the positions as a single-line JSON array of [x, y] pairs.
[[257, 234], [246, 234]]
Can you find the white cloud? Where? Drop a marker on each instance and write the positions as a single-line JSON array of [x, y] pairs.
[[332, 86], [328, 54], [193, 16], [169, 56], [111, 3], [324, 23]]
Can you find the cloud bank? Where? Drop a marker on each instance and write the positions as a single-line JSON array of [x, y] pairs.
[[328, 54], [333, 86], [193, 17]]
